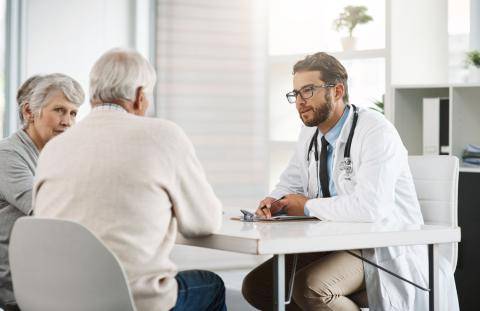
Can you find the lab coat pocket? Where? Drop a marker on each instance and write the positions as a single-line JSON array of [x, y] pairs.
[[400, 293], [346, 182]]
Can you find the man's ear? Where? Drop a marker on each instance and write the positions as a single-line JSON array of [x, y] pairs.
[[339, 91], [139, 99]]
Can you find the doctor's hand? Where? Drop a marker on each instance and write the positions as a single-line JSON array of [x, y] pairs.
[[269, 206], [295, 204]]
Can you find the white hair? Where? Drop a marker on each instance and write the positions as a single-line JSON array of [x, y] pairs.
[[25, 92], [117, 75], [48, 84]]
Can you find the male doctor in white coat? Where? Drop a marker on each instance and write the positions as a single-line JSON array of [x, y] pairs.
[[373, 185]]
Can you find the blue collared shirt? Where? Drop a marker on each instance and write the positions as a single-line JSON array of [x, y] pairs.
[[331, 136]]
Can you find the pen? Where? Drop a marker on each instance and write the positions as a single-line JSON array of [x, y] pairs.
[[273, 202]]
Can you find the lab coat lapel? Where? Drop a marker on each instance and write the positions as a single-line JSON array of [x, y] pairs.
[[340, 147]]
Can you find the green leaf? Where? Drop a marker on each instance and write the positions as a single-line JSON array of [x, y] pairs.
[[473, 58]]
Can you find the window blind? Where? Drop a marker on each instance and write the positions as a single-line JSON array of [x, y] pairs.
[[211, 59]]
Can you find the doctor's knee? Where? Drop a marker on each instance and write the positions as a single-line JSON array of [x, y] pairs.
[[308, 291]]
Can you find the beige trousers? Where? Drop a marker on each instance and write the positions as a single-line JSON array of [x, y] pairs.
[[323, 281]]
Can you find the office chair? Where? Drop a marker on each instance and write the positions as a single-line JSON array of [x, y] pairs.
[[436, 183], [59, 265]]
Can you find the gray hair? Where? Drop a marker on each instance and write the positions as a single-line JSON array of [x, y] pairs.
[[117, 75], [25, 92], [48, 84]]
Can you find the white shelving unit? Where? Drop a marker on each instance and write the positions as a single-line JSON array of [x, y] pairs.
[[291, 59], [464, 123]]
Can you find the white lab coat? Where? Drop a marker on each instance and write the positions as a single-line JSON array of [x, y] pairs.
[[380, 190]]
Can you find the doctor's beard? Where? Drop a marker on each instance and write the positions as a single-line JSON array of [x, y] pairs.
[[320, 113]]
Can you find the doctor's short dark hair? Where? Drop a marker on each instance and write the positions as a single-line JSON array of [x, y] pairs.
[[331, 70]]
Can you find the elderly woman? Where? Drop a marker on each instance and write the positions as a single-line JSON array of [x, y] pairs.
[[47, 106]]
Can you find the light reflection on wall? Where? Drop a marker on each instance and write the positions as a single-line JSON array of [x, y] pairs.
[[303, 26]]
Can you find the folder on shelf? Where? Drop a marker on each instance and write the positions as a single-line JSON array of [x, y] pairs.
[[436, 126]]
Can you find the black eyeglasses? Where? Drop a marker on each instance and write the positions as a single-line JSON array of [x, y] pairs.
[[305, 92]]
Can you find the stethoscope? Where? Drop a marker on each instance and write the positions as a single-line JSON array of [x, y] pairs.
[[346, 165]]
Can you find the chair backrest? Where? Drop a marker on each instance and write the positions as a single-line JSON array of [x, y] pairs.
[[60, 265], [436, 183]]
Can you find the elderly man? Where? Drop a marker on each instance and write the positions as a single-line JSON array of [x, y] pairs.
[[132, 181]]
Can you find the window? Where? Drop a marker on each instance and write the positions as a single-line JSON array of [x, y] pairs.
[[459, 36], [305, 26], [2, 67], [302, 27]]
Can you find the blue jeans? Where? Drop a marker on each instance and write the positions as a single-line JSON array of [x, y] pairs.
[[200, 290]]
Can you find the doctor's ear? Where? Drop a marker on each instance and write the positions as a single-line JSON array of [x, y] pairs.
[[339, 91]]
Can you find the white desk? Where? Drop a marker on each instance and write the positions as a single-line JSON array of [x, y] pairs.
[[280, 238]]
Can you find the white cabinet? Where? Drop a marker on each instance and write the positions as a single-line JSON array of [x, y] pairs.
[[464, 119]]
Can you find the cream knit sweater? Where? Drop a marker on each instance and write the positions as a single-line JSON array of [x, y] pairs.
[[132, 181]]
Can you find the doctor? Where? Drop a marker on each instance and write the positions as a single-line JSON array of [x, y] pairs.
[[349, 165]]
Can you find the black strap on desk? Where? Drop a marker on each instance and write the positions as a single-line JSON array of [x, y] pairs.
[[389, 272]]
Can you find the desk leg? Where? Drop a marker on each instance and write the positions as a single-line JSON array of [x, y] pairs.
[[279, 282], [433, 281]]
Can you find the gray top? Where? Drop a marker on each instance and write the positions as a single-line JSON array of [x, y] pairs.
[[18, 159]]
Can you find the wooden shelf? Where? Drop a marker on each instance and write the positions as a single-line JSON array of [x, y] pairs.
[[435, 86], [468, 169], [419, 86]]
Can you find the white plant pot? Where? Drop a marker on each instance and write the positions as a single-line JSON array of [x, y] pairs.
[[473, 74], [349, 43]]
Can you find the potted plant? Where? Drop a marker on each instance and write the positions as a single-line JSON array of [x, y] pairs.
[[473, 61], [378, 105], [349, 19]]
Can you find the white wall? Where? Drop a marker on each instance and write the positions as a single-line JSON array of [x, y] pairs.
[[419, 41], [474, 24], [68, 36], [211, 60]]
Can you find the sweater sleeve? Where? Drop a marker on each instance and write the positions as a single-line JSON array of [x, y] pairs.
[[195, 205], [16, 181]]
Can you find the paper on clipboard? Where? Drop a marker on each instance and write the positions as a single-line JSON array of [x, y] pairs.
[[250, 217]]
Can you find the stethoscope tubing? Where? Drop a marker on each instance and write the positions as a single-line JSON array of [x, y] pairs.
[[346, 153]]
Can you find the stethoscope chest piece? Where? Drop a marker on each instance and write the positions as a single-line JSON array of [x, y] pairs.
[[347, 166]]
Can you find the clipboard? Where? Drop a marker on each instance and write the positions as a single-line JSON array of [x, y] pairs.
[[250, 217], [275, 218]]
